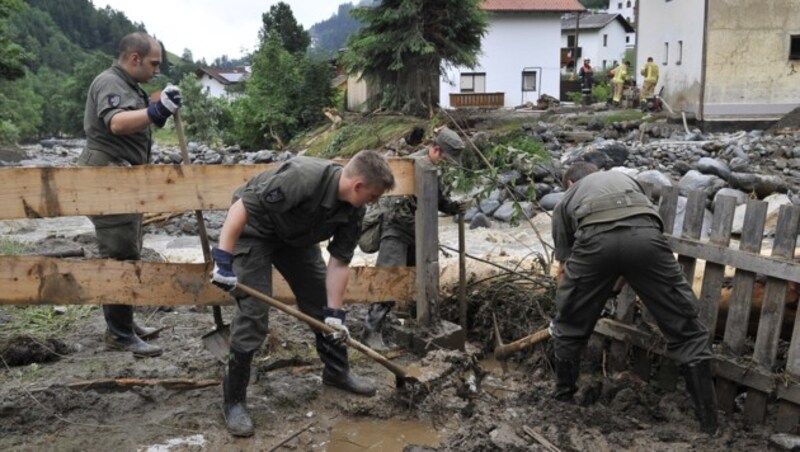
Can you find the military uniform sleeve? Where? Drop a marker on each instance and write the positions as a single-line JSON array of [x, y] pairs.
[[563, 235], [345, 239], [275, 193], [112, 95]]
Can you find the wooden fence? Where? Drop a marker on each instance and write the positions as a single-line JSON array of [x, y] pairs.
[[83, 191], [488, 100], [745, 361]]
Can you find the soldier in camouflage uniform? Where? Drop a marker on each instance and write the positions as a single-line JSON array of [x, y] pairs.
[[605, 228], [279, 218], [117, 124]]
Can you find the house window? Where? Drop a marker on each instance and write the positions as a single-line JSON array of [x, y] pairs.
[[605, 40], [570, 41], [666, 54], [680, 52], [528, 80], [794, 47], [628, 4], [605, 64], [473, 82], [619, 5], [627, 39]]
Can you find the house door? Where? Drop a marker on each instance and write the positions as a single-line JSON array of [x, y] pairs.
[[530, 85]]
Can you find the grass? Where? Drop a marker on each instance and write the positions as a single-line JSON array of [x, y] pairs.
[[9, 247], [42, 322], [165, 136], [356, 136]]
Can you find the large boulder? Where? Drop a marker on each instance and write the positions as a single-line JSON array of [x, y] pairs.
[[508, 211], [694, 180], [716, 167], [656, 179], [549, 201], [774, 203]]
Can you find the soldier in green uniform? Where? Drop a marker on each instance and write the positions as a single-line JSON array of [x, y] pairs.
[[397, 246], [279, 218], [117, 124], [605, 228]]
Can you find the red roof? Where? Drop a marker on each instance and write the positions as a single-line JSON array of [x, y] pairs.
[[533, 5]]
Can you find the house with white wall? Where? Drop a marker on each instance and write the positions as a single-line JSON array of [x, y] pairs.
[[600, 37], [217, 81], [520, 56], [626, 8], [724, 60]]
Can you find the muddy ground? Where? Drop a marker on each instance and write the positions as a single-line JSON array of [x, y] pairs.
[[471, 402]]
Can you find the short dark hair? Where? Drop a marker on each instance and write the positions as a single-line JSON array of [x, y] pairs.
[[373, 168], [136, 42], [627, 63], [649, 59], [577, 171]]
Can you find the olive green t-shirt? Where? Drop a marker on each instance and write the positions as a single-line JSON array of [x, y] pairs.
[[297, 203], [111, 92]]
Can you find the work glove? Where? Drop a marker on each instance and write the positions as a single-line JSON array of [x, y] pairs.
[[461, 207], [335, 319], [223, 276], [168, 103]]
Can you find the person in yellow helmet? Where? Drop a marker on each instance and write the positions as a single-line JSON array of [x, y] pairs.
[[650, 73], [620, 75]]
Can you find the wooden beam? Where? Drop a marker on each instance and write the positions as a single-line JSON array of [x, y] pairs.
[[77, 191], [34, 280], [426, 229]]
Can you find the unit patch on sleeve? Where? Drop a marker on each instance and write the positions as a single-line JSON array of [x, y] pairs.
[[275, 195], [113, 100]]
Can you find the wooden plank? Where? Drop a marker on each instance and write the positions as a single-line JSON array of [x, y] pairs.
[[76, 191], [692, 228], [32, 280], [786, 420], [714, 273], [668, 207], [741, 298], [426, 229], [626, 309], [748, 261], [771, 320]]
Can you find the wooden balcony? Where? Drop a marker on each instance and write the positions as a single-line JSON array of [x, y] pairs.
[[491, 100]]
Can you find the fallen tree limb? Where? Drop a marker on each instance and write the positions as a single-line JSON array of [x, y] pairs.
[[159, 217], [290, 437], [540, 281], [548, 446], [126, 383]]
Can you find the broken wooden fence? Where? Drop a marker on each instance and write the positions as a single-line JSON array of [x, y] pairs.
[[83, 191], [751, 363]]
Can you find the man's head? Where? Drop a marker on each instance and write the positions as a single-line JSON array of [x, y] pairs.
[[586, 61], [576, 172], [627, 63], [365, 178], [649, 59], [447, 145], [140, 56]]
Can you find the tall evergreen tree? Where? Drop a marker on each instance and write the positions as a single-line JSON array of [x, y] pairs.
[[12, 55], [404, 45], [280, 19]]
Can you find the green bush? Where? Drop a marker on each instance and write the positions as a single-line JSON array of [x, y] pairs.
[[575, 97], [600, 92]]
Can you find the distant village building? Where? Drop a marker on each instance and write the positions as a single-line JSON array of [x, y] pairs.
[[626, 8], [724, 60], [520, 58], [218, 81], [600, 37]]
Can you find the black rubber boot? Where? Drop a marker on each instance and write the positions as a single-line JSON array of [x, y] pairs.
[[121, 335], [700, 386], [337, 368], [567, 372], [145, 332], [234, 391]]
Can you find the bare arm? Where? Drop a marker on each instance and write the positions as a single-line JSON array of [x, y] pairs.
[[233, 226], [336, 282], [128, 122]]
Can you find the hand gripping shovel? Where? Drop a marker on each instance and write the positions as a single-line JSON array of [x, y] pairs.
[[401, 375], [217, 342]]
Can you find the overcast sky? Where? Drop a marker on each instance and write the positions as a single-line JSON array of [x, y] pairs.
[[212, 28]]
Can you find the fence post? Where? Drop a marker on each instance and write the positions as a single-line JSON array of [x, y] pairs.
[[714, 273], [427, 241]]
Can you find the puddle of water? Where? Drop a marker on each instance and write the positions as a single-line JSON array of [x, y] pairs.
[[194, 440], [379, 435]]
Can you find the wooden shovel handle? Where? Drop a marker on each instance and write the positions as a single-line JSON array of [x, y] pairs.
[[503, 351], [382, 360]]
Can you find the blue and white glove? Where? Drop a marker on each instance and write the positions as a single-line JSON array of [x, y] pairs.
[[223, 276], [168, 103], [335, 319]]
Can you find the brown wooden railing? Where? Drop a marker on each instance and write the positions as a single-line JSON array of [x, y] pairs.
[[460, 100]]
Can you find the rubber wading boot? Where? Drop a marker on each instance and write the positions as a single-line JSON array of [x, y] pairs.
[[337, 368], [567, 372], [700, 386], [121, 335], [145, 332], [234, 391]]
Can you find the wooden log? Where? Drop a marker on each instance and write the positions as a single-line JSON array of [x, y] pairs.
[[76, 191], [34, 280], [123, 384], [739, 310], [772, 310], [714, 273], [626, 309], [427, 241]]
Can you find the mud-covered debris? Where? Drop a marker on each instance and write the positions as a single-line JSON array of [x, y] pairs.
[[24, 350]]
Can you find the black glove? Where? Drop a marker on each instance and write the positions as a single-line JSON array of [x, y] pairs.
[[168, 103], [223, 276], [335, 319]]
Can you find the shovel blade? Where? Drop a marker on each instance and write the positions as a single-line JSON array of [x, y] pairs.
[[218, 343]]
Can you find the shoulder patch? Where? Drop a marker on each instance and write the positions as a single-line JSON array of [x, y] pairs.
[[275, 195], [113, 100]]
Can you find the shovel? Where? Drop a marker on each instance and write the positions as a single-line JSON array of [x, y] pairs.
[[402, 376], [501, 350], [217, 342]]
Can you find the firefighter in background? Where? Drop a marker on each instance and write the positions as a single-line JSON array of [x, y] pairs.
[[620, 76], [650, 73]]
